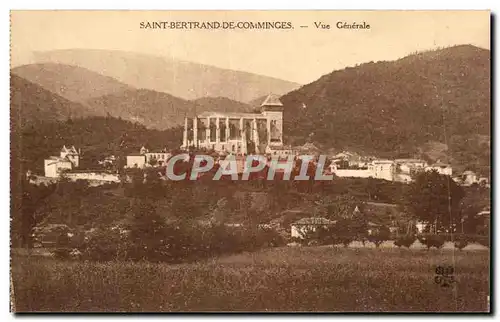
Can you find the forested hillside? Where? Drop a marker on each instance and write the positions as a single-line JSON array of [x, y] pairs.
[[97, 137], [395, 108]]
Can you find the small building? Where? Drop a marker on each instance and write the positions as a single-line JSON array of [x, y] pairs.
[[108, 161], [408, 166], [71, 154], [145, 158], [421, 226], [350, 173], [373, 228], [441, 168], [468, 178], [54, 166], [405, 169], [282, 151], [136, 161], [382, 169], [157, 158], [307, 225], [67, 160]]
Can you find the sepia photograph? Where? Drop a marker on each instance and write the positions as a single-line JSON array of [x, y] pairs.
[[250, 161]]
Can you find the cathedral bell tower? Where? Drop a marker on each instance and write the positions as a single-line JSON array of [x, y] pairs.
[[272, 109]]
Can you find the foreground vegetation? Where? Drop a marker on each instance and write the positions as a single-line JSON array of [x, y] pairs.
[[279, 279]]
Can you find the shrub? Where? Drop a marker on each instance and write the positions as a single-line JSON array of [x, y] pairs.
[[61, 253], [161, 242], [431, 240], [103, 245], [270, 238], [483, 240], [461, 241], [405, 241], [379, 236], [345, 240]]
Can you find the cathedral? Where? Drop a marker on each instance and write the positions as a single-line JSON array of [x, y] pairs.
[[238, 133]]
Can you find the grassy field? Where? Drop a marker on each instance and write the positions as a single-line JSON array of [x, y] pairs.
[[280, 279]]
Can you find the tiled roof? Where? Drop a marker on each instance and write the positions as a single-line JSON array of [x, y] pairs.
[[314, 221], [71, 150], [272, 100], [382, 161], [54, 158], [230, 115], [409, 161], [280, 147], [440, 164]]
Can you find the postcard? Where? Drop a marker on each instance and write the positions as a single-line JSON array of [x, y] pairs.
[[250, 161]]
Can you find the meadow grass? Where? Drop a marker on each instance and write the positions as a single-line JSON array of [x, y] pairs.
[[279, 279]]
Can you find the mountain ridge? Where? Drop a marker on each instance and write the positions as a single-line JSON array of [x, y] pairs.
[[74, 83], [393, 108], [187, 80]]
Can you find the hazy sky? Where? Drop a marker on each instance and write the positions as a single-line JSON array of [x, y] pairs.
[[300, 54]]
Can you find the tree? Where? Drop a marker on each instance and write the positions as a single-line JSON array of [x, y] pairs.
[[337, 207], [27, 199], [147, 232], [434, 199], [379, 236], [358, 226], [476, 199], [153, 162]]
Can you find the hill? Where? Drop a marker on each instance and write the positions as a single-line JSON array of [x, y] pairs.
[[221, 104], [97, 137], [153, 109], [255, 103], [31, 104], [57, 92], [395, 108], [186, 80], [71, 82]]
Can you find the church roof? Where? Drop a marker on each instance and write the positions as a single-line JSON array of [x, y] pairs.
[[71, 150], [230, 115], [272, 100]]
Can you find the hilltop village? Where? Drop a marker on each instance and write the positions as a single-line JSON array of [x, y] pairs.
[[240, 134]]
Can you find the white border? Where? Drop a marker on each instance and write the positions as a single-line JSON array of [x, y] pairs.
[[186, 5]]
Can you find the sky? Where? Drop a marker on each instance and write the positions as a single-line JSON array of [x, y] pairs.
[[300, 54]]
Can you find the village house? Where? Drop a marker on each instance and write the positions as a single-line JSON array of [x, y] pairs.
[[441, 168], [302, 227], [382, 169], [108, 161], [68, 159], [406, 169], [410, 165], [145, 158], [377, 169], [280, 151], [67, 164], [238, 133], [136, 161], [468, 178]]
